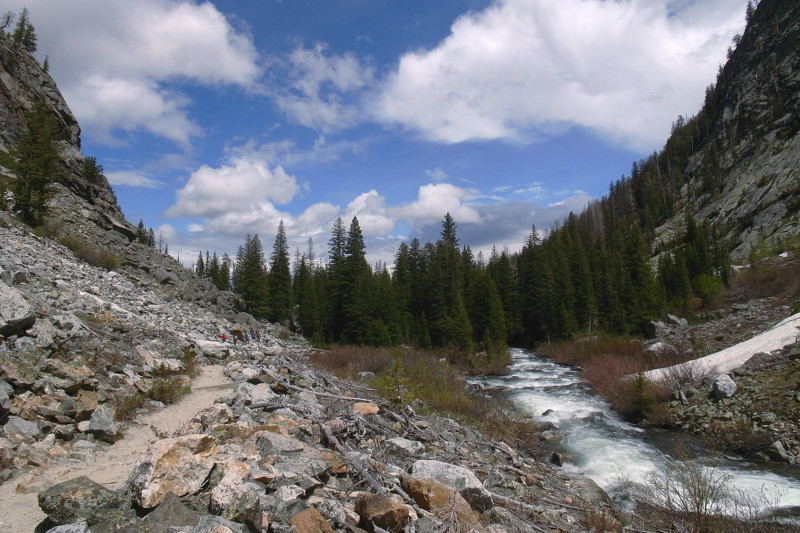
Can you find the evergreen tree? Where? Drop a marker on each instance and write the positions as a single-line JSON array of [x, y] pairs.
[[223, 280], [355, 285], [151, 238], [35, 164], [92, 171], [24, 35], [280, 278], [307, 301], [200, 266], [335, 292], [250, 277], [141, 233]]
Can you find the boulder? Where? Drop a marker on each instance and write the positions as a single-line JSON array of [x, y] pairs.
[[379, 511], [102, 424], [405, 446], [310, 521], [723, 387], [444, 502], [179, 465], [16, 314], [458, 478], [293, 457], [81, 499]]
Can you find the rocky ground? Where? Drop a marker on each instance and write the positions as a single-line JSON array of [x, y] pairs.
[[757, 412], [285, 447]]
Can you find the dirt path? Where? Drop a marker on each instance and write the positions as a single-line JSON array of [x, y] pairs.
[[19, 509]]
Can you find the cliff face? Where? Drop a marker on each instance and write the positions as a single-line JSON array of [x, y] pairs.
[[745, 176]]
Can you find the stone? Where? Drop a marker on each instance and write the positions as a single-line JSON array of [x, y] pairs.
[[405, 446], [179, 465], [171, 512], [80, 527], [20, 426], [294, 458], [380, 511], [777, 452], [444, 502], [366, 408], [16, 314], [102, 424], [81, 499], [310, 521], [458, 478], [723, 387]]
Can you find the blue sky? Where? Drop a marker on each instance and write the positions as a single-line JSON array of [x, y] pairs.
[[217, 119]]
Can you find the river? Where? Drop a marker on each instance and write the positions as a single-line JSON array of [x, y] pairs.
[[607, 449]]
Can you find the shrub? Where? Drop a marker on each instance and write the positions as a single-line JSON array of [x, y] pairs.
[[168, 390], [91, 254], [125, 408]]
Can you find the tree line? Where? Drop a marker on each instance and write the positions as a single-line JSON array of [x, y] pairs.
[[594, 272]]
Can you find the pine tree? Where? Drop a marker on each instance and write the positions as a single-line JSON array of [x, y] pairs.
[[24, 35], [334, 293], [250, 277], [280, 278], [35, 164], [307, 301], [356, 287], [200, 266]]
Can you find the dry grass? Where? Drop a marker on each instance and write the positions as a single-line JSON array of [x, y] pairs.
[[431, 384]]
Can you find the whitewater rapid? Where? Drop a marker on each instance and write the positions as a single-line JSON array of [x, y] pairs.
[[608, 449]]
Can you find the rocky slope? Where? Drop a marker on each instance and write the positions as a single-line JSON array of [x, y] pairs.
[[288, 446], [753, 148]]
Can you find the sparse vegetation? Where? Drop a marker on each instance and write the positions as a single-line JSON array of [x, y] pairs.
[[428, 383], [92, 254], [168, 389]]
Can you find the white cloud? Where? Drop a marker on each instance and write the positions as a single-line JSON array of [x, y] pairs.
[[112, 59], [438, 175], [132, 178], [241, 186], [321, 88], [434, 201], [524, 69], [373, 217]]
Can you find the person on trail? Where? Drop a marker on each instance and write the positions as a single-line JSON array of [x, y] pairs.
[[224, 338]]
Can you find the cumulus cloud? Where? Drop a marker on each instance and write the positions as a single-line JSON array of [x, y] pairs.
[[527, 69], [113, 58], [321, 88], [373, 217], [434, 201], [244, 185]]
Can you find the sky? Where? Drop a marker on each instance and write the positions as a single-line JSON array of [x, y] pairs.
[[218, 119]]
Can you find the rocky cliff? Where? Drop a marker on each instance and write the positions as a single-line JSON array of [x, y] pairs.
[[744, 175]]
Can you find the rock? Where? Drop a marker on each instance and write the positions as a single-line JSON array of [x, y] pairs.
[[80, 527], [171, 512], [379, 511], [102, 424], [406, 446], [81, 499], [444, 502], [560, 458], [310, 521], [293, 456], [777, 452], [723, 387], [458, 478], [22, 427], [364, 408], [16, 314], [179, 465]]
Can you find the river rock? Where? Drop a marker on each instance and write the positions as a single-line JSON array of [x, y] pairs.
[[723, 387]]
